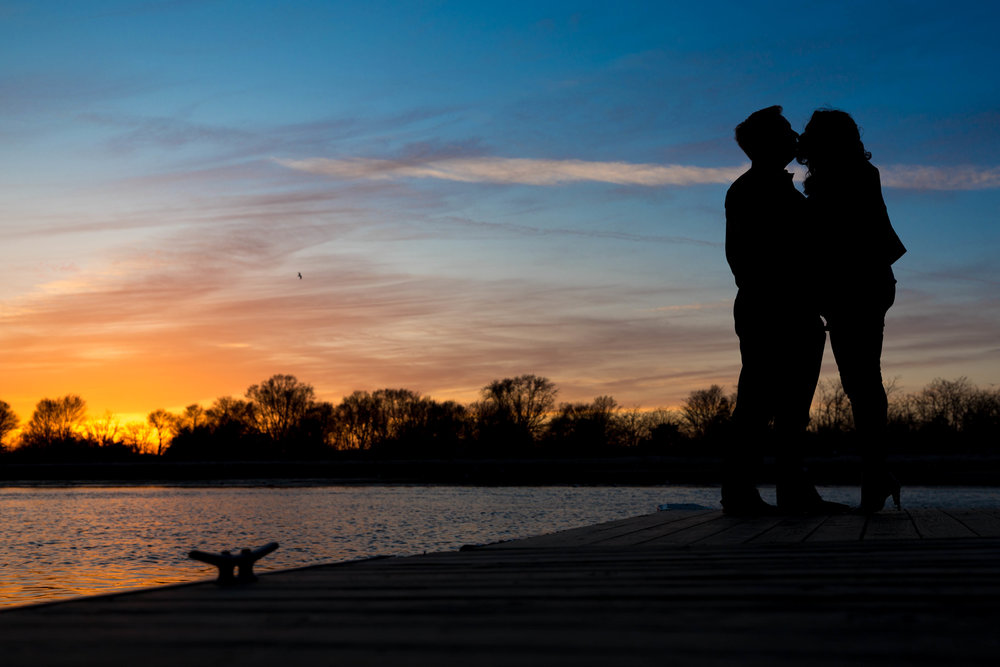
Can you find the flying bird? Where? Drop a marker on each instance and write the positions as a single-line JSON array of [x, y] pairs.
[[300, 275]]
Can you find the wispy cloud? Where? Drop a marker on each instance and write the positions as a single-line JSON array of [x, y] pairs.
[[508, 228], [523, 171], [528, 171], [916, 177]]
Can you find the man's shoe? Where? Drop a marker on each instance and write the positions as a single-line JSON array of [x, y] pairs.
[[798, 497]]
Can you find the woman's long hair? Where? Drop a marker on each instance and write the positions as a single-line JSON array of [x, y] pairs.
[[831, 149]]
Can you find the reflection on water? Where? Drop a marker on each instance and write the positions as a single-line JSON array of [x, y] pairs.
[[64, 542]]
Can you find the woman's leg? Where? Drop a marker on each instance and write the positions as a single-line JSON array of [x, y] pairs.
[[856, 338], [856, 335]]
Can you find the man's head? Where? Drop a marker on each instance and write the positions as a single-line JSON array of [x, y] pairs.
[[767, 138]]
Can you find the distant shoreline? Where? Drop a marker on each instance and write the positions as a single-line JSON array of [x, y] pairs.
[[963, 470]]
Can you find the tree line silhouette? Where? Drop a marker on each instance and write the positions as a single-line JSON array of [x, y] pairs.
[[280, 418]]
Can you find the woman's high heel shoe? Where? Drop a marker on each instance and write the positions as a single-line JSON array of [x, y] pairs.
[[876, 488]]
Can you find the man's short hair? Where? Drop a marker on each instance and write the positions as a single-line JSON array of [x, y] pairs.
[[758, 130]]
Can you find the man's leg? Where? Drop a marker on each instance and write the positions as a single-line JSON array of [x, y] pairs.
[[795, 491], [803, 357], [754, 405]]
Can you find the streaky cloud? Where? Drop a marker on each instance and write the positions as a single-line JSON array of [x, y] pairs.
[[527, 230], [916, 177], [542, 172], [519, 171]]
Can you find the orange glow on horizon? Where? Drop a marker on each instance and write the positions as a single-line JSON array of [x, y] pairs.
[[127, 392]]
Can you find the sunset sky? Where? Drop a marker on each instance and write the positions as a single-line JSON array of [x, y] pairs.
[[470, 190]]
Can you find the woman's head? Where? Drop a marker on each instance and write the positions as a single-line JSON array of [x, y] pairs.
[[831, 137]]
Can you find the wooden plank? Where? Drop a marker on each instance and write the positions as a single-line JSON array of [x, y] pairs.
[[572, 536], [621, 528], [982, 522], [651, 534], [693, 533], [890, 525], [838, 528], [742, 531], [935, 524], [795, 529]]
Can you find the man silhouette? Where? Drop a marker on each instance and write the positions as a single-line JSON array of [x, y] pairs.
[[770, 249]]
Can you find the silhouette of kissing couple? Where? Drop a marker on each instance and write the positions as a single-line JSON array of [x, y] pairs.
[[805, 265]]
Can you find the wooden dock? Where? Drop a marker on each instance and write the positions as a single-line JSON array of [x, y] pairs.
[[672, 588]]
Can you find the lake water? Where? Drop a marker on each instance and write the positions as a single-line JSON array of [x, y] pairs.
[[61, 542]]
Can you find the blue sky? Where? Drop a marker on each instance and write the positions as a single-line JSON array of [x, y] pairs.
[[470, 190]]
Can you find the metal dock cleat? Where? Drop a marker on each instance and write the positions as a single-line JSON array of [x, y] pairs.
[[241, 562]]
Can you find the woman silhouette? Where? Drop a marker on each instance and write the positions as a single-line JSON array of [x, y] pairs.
[[857, 285]]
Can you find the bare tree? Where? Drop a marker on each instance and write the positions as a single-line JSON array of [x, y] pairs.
[[665, 426], [584, 426], [522, 402], [229, 412], [945, 402], [138, 436], [192, 417], [831, 408], [958, 406], [104, 431], [57, 419], [279, 405], [163, 424], [705, 409], [318, 428], [983, 415], [400, 410], [356, 422], [8, 422], [367, 420], [634, 427]]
